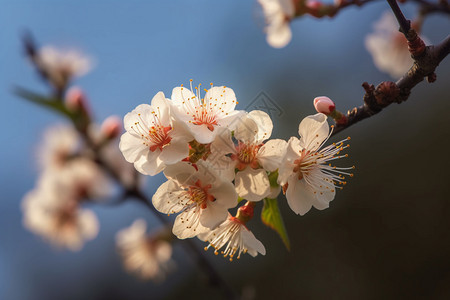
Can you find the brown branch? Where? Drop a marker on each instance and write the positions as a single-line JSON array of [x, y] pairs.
[[386, 93], [405, 25]]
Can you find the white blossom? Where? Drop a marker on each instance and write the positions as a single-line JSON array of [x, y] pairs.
[[252, 156], [61, 65], [152, 139], [198, 195], [205, 117], [305, 174], [237, 238], [59, 144], [53, 213], [82, 178], [142, 254], [278, 15]]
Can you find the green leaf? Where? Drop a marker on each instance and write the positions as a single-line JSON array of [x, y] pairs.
[[272, 218], [80, 119], [53, 104]]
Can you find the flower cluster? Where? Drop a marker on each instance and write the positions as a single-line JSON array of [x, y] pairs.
[[69, 177], [215, 156]]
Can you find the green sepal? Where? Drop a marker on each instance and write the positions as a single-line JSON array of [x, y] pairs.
[[273, 177], [271, 217]]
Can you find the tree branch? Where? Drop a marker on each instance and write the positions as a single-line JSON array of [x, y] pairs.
[[386, 93]]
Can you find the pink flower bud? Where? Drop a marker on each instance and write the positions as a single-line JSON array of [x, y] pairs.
[[111, 127], [314, 7], [324, 105], [76, 99]]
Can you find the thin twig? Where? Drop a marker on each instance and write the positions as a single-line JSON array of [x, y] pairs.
[[386, 93], [405, 25]]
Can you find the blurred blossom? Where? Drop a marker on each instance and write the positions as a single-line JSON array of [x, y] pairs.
[[62, 65], [83, 178], [76, 100], [114, 158], [59, 144], [278, 15], [236, 236], [146, 256], [111, 127], [54, 213], [109, 151], [305, 174], [388, 47]]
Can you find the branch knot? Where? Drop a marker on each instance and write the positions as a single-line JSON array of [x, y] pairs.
[[386, 93]]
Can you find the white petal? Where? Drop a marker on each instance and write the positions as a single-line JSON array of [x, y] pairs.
[[223, 166], [186, 229], [271, 154], [175, 151], [252, 185], [300, 198], [252, 243], [313, 131], [287, 162], [225, 194], [132, 147], [202, 133], [213, 215], [181, 94], [161, 107], [150, 164], [264, 123], [222, 144], [246, 130], [183, 173], [231, 120], [226, 99], [167, 198]]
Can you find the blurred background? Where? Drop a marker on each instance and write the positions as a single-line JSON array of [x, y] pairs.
[[385, 236]]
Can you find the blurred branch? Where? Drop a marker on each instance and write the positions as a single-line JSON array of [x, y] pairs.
[[320, 10], [386, 93]]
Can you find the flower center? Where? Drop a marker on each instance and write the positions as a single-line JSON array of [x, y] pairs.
[[304, 163], [246, 155], [205, 111], [204, 117], [155, 136], [199, 194], [159, 136]]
